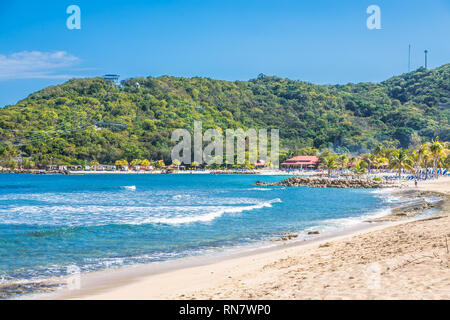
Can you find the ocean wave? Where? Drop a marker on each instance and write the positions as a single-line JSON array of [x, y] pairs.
[[260, 189], [432, 199], [120, 198], [177, 220], [181, 196], [386, 194], [130, 188], [94, 215]]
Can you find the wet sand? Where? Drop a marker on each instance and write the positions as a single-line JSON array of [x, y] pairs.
[[392, 260]]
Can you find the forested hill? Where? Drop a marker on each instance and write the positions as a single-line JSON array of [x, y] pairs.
[[80, 117]]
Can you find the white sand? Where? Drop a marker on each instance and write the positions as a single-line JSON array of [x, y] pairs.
[[402, 260]]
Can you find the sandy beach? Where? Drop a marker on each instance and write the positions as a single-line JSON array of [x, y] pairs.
[[397, 260]]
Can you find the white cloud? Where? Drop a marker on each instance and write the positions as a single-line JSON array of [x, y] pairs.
[[36, 65]]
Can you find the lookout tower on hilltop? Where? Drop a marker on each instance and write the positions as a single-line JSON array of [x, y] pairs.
[[426, 59]]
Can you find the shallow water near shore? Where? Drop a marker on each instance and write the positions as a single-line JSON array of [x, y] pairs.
[[94, 222]]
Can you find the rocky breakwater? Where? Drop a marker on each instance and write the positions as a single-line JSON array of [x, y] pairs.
[[33, 171], [321, 182]]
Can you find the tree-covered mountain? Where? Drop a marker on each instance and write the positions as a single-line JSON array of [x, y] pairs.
[[89, 119]]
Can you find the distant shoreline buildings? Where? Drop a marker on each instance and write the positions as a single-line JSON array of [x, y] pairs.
[[301, 162]]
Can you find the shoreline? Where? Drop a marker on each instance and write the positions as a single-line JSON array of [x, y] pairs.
[[156, 172], [95, 281], [163, 280]]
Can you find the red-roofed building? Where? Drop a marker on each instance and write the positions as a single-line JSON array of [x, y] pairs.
[[302, 162]]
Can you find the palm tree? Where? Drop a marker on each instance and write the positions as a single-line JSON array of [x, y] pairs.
[[227, 163], [118, 163], [388, 152], [122, 163], [427, 162], [195, 164], [420, 157], [370, 159], [177, 163], [29, 164], [379, 150], [360, 167], [380, 161], [330, 163], [159, 164], [343, 161], [437, 151], [400, 159], [446, 157], [136, 162], [446, 162], [416, 162], [214, 162], [248, 165], [94, 164], [145, 163]]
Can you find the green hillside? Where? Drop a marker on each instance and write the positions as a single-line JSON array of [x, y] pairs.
[[77, 121]]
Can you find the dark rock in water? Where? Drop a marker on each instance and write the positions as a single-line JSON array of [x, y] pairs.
[[412, 208], [289, 237], [320, 182], [33, 171], [313, 232], [9, 290], [407, 211]]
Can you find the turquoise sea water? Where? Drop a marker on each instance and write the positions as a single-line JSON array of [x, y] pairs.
[[50, 222]]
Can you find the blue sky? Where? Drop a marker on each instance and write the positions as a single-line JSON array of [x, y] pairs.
[[322, 41]]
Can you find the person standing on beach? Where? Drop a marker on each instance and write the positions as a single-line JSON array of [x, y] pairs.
[[415, 182]]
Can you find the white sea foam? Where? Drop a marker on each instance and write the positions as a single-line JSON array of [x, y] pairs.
[[218, 212], [383, 190], [432, 199], [97, 215], [182, 197], [119, 198], [130, 188], [387, 195], [343, 223]]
